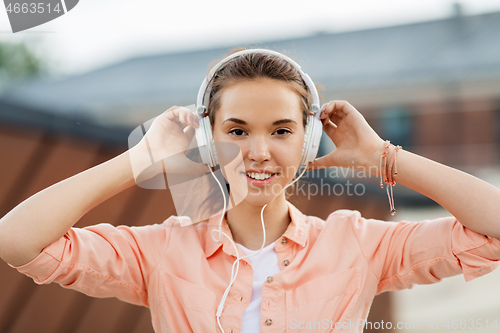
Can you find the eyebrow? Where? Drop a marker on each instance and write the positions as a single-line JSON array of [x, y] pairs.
[[277, 122]]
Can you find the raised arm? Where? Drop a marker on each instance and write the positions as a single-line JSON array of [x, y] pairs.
[[472, 201], [47, 215]]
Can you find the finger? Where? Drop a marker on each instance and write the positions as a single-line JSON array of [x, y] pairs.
[[176, 115], [188, 117], [323, 108], [172, 113], [329, 128], [343, 108], [182, 116], [331, 109], [339, 107], [334, 118], [190, 132]]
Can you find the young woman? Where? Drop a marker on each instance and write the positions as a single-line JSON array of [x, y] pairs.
[[313, 275]]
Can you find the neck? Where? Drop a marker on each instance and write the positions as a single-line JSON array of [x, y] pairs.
[[246, 226]]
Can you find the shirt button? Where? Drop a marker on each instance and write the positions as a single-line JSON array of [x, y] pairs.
[[284, 240], [286, 262], [269, 279], [269, 322]]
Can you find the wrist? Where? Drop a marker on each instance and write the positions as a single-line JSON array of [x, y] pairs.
[[388, 168], [143, 167], [372, 161]]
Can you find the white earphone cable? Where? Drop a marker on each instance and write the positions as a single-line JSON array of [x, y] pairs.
[[238, 258]]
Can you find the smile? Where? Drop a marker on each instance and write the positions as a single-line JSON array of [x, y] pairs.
[[260, 176], [257, 178]]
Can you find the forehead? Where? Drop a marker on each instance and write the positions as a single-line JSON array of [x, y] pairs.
[[261, 98]]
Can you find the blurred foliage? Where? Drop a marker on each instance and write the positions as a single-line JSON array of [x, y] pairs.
[[18, 61]]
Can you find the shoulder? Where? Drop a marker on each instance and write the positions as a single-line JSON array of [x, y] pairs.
[[342, 220], [347, 220], [179, 222], [184, 225], [344, 217], [341, 229], [344, 214], [158, 232]]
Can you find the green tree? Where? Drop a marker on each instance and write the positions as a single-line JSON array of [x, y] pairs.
[[18, 62]]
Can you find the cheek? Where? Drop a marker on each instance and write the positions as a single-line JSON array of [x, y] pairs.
[[289, 155], [295, 147], [293, 152]]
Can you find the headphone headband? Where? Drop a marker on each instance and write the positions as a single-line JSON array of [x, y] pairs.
[[200, 107]]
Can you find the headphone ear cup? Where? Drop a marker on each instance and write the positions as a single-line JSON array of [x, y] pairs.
[[210, 142], [204, 140], [312, 139]]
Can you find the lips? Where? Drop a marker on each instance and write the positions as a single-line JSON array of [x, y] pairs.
[[259, 173], [262, 182]]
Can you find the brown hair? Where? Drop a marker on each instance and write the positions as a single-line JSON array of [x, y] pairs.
[[253, 66]]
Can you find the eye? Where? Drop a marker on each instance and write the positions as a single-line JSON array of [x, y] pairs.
[[283, 132], [237, 132]]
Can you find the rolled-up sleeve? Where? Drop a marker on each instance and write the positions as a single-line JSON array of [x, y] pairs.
[[102, 260], [405, 253]]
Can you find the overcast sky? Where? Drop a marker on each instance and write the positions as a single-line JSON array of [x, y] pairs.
[[99, 32]]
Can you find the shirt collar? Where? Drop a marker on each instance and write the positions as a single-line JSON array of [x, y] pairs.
[[296, 231]]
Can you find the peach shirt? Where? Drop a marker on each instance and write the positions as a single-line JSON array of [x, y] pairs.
[[330, 270]]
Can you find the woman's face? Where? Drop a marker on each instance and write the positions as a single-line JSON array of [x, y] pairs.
[[264, 118]]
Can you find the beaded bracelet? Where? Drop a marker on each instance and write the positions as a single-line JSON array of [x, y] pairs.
[[386, 175]]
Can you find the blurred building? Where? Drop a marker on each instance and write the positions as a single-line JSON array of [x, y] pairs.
[[432, 87]]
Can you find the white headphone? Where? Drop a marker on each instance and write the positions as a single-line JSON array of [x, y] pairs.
[[314, 127]]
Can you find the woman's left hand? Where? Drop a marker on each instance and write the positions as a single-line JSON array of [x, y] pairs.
[[358, 145]]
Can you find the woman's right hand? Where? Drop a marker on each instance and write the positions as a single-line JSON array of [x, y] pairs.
[[166, 142]]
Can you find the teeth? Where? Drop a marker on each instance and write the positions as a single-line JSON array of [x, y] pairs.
[[259, 176]]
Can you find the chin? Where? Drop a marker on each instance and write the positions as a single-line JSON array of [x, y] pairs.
[[256, 198]]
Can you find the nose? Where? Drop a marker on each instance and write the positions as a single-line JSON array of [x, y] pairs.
[[259, 150]]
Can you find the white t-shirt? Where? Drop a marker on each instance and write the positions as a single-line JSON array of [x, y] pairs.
[[264, 265]]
